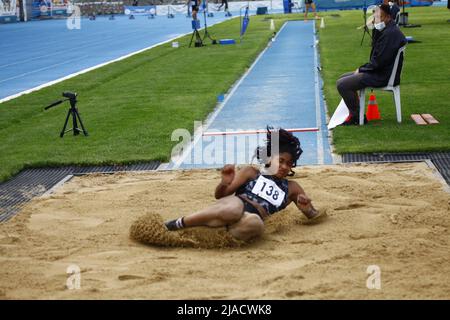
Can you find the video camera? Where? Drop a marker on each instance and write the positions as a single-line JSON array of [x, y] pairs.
[[70, 95]]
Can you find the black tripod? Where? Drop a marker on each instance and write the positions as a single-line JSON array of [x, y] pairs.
[[72, 97], [207, 35], [366, 29], [196, 34], [404, 19]]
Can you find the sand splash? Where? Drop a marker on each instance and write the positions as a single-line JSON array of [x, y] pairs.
[[150, 229]]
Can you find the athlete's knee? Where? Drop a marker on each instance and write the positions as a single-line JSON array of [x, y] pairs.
[[340, 85], [249, 227], [254, 225]]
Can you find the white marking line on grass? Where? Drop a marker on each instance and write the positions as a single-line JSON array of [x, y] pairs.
[[320, 155], [209, 121], [97, 66]]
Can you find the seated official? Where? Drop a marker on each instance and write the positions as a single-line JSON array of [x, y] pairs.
[[387, 40]]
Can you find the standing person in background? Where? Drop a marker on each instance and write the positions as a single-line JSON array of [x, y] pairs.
[[224, 2], [194, 6], [310, 4]]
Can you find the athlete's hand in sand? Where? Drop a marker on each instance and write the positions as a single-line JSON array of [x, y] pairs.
[[228, 173]]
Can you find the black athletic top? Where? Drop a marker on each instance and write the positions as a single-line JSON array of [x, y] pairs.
[[268, 191]]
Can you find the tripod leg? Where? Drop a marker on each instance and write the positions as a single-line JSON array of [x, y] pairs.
[[364, 34], [193, 33], [198, 38], [206, 35], [75, 129], [65, 124], [81, 123]]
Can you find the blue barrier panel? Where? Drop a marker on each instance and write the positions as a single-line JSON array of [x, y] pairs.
[[421, 3], [47, 9], [41, 8], [261, 10], [195, 24], [8, 19], [245, 22], [287, 6]]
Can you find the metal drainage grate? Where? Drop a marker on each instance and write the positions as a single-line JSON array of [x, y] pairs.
[[31, 183], [440, 159]]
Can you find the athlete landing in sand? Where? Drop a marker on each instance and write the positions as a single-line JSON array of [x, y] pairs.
[[247, 197]]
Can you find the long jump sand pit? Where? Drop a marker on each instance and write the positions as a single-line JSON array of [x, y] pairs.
[[394, 216]]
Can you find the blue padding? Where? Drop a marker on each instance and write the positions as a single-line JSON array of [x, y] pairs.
[[8, 19], [421, 3], [195, 24], [227, 41]]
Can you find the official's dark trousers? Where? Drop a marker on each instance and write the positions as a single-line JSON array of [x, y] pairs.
[[348, 85]]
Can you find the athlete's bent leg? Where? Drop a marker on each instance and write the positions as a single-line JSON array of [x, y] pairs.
[[248, 227]]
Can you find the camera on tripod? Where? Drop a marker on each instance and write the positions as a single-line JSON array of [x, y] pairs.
[[73, 111], [70, 95]]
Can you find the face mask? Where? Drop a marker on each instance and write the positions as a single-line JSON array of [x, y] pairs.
[[380, 26]]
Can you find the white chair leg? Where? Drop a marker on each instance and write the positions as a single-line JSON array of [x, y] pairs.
[[398, 105], [362, 105]]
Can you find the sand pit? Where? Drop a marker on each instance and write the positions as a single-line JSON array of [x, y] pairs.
[[395, 216]]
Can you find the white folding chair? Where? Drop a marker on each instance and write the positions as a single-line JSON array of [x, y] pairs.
[[390, 87], [397, 18]]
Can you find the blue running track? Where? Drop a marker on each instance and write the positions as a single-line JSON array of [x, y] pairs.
[[282, 89], [37, 52]]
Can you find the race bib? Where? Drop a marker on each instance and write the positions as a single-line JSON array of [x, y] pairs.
[[268, 190]]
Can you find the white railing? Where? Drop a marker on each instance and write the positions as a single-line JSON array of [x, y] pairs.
[[212, 7]]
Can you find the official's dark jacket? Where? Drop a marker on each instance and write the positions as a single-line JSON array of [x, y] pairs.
[[382, 57]]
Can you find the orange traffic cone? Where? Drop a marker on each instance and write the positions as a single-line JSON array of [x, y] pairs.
[[372, 109]]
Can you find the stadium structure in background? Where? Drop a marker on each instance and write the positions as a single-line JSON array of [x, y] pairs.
[[25, 10]]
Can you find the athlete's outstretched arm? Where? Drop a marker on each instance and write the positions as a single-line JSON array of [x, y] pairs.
[[231, 180], [301, 200]]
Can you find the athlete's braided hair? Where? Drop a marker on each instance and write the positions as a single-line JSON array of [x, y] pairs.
[[287, 143]]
